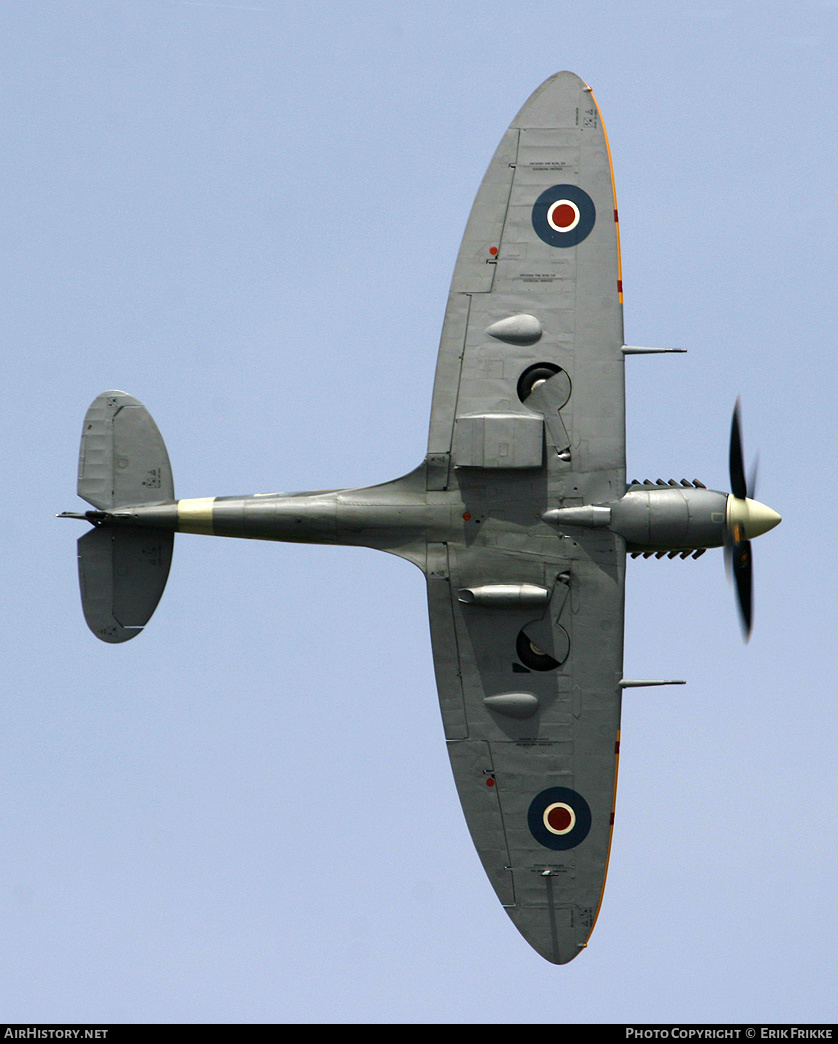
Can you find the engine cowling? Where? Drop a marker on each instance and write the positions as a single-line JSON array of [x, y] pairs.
[[670, 518]]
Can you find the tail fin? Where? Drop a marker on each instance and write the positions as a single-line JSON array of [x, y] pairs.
[[122, 570]]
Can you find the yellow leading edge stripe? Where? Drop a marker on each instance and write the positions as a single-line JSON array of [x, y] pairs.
[[617, 744], [611, 834], [616, 211], [195, 516]]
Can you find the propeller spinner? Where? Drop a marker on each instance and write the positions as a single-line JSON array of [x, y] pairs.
[[746, 519]]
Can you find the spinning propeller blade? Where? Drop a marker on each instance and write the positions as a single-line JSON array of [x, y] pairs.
[[738, 486], [746, 518]]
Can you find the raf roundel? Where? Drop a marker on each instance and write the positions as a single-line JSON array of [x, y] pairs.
[[563, 215], [559, 818]]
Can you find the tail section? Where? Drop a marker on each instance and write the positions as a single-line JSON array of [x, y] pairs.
[[122, 569]]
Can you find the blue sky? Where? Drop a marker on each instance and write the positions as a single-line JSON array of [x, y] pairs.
[[247, 214]]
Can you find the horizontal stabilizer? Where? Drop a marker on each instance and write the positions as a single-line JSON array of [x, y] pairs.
[[122, 573], [122, 459]]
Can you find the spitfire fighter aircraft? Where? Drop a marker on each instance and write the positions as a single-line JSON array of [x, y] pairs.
[[519, 516]]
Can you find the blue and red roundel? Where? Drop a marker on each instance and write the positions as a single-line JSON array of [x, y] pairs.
[[563, 215], [559, 818]]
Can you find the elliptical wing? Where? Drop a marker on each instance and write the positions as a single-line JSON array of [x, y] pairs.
[[528, 415]]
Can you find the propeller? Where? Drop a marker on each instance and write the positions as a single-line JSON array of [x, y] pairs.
[[745, 519]]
